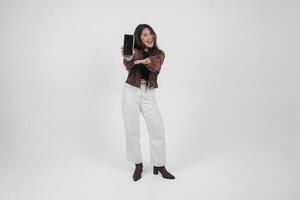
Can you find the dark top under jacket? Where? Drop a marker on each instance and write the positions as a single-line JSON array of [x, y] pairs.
[[144, 71]]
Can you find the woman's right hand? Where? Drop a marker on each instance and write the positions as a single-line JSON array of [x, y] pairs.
[[127, 57]]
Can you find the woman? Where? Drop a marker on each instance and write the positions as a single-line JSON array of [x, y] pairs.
[[139, 96]]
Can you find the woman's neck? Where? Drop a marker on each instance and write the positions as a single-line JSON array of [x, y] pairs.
[[146, 49]]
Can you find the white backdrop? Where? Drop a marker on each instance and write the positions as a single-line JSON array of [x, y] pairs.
[[228, 93]]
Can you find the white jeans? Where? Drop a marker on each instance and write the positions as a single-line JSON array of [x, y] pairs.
[[134, 101]]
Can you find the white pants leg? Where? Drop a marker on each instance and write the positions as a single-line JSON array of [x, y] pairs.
[[142, 100]]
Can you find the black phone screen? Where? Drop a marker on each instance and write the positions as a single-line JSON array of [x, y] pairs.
[[128, 44]]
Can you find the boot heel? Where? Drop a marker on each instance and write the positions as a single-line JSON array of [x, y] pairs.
[[155, 171]]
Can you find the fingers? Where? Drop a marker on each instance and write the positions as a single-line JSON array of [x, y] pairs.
[[128, 58], [122, 51], [137, 62], [145, 61]]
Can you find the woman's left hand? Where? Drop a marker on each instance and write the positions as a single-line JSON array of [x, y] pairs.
[[146, 61]]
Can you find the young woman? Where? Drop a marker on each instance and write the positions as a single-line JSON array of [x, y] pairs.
[[139, 96]]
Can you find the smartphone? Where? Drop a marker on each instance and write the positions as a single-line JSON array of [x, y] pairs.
[[128, 45]]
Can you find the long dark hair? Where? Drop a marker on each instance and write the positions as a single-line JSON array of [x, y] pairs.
[[138, 44]]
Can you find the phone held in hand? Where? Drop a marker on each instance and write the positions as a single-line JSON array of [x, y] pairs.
[[128, 44]]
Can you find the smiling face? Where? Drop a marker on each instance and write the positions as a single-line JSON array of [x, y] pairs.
[[147, 38]]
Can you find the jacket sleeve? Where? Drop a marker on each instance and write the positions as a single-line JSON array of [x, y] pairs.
[[156, 62], [129, 64]]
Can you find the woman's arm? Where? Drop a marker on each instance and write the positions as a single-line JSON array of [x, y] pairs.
[[128, 61], [155, 62]]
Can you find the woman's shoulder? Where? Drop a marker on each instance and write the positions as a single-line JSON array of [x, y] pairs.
[[159, 51]]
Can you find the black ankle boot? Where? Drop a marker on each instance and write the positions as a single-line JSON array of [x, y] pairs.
[[138, 171], [163, 171]]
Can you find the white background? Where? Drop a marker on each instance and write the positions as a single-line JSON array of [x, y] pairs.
[[228, 93]]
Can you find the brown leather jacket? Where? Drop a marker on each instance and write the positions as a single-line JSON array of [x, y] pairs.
[[156, 57]]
